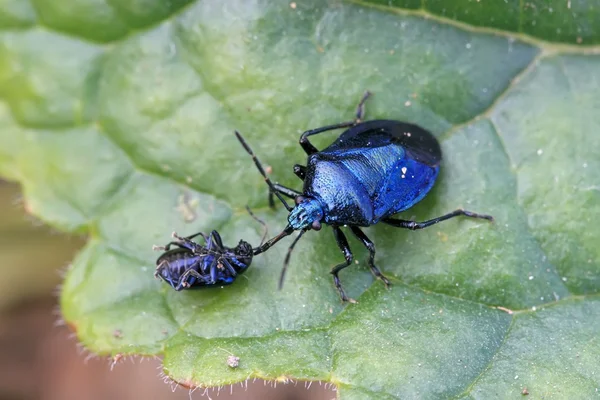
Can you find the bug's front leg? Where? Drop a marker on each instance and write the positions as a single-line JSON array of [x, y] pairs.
[[342, 243]]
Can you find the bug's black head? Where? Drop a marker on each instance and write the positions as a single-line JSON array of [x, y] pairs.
[[241, 256]]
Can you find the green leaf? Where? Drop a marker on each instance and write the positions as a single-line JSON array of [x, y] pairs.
[[117, 120]]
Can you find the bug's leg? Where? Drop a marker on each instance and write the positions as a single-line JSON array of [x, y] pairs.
[[184, 243], [168, 246], [216, 244], [213, 271], [300, 171], [229, 267], [342, 243], [286, 191], [308, 147], [187, 243], [412, 225], [159, 268], [371, 247], [197, 234], [360, 109], [183, 280]]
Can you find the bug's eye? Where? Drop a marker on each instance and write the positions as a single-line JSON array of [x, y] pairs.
[[299, 199], [316, 225]]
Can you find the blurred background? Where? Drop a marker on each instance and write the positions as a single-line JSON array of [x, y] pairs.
[[40, 360]]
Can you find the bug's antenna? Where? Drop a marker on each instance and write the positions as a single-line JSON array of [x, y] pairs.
[[260, 221], [262, 171], [287, 258]]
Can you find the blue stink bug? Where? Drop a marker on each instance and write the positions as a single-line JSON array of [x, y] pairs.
[[192, 265], [373, 170]]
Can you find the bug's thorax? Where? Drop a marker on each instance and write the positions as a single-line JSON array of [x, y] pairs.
[[308, 213]]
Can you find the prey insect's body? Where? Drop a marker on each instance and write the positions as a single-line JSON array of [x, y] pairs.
[[192, 265], [373, 170]]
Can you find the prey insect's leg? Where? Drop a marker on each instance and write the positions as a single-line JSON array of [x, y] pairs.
[[167, 247], [183, 279], [187, 243]]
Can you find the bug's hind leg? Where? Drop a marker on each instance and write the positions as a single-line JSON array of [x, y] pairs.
[[342, 243], [412, 225], [371, 247]]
